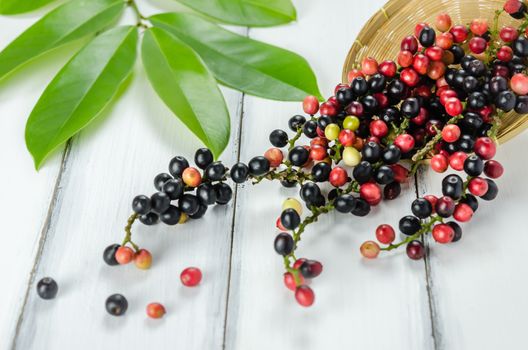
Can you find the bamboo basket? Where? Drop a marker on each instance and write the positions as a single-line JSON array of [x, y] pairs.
[[380, 37]]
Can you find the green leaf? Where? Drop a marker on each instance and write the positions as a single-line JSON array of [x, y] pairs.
[[252, 13], [81, 90], [11, 7], [242, 63], [71, 21], [187, 87]]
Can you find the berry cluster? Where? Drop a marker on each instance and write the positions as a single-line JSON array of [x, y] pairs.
[[439, 103]]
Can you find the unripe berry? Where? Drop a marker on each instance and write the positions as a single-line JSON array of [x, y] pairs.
[[443, 22], [478, 186], [192, 177], [347, 138], [479, 26], [444, 41], [477, 45], [155, 310], [443, 233], [292, 203], [463, 212], [124, 255], [370, 192], [370, 249], [318, 152], [387, 68], [385, 234], [508, 34], [143, 259], [351, 123], [353, 74], [328, 109], [439, 163], [338, 177], [274, 156], [351, 156], [405, 142], [369, 66], [519, 84], [289, 280], [453, 106], [379, 128], [191, 276], [405, 58], [310, 105], [332, 132], [304, 295], [457, 159], [459, 33], [451, 133]]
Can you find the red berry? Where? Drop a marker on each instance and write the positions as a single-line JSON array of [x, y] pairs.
[[191, 276], [409, 43], [443, 22], [421, 118], [478, 186], [353, 74], [328, 109], [385, 234], [519, 83], [274, 156], [477, 45], [340, 86], [155, 310], [355, 108], [453, 106], [444, 40], [310, 105], [405, 142], [387, 68], [505, 54], [479, 26], [338, 177], [347, 137], [192, 177], [318, 152], [418, 28], [400, 173], [321, 141], [439, 163], [421, 63], [436, 70], [304, 295], [459, 33], [369, 66], [370, 250], [297, 264], [451, 133], [513, 7], [457, 159], [124, 255], [463, 212], [289, 280], [415, 250], [443, 233], [143, 259], [405, 58], [485, 148], [434, 53], [447, 94], [279, 225], [493, 169], [431, 199], [371, 192], [379, 128], [383, 100], [508, 34], [409, 77]]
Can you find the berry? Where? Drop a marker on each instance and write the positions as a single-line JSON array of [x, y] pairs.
[[338, 177], [206, 193], [289, 280], [296, 122], [332, 132], [173, 188], [116, 305], [298, 156], [515, 8], [453, 106], [177, 165], [278, 138], [290, 219], [493, 191], [160, 202], [149, 219], [124, 255], [392, 190], [369, 66], [223, 192], [47, 288], [259, 166], [362, 208], [457, 160], [421, 208], [473, 165], [309, 192], [203, 157], [311, 268], [141, 205], [283, 244], [370, 250], [451, 133], [189, 204], [477, 45], [384, 175], [409, 43], [443, 233], [155, 310], [519, 84], [310, 128], [310, 105], [508, 34], [427, 37], [463, 212], [445, 206], [328, 109], [304, 295], [293, 204], [443, 22], [371, 152], [405, 142], [485, 148], [409, 225], [191, 276], [214, 172], [478, 186], [143, 259], [479, 26], [371, 193], [493, 169], [171, 216], [321, 172], [415, 250], [409, 77], [192, 177], [458, 231], [439, 163], [274, 156], [239, 173], [385, 234], [345, 203], [452, 186], [347, 138], [109, 254], [387, 68], [160, 180], [459, 33]]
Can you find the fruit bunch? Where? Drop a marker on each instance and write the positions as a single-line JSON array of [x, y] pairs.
[[439, 103]]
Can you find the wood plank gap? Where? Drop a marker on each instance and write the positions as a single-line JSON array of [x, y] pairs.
[[43, 237], [428, 276]]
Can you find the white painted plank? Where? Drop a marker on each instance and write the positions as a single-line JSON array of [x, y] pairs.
[[113, 160], [359, 304], [26, 194], [479, 285]]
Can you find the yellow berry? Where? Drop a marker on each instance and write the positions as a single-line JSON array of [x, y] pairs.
[[293, 204], [351, 123], [332, 132], [351, 156]]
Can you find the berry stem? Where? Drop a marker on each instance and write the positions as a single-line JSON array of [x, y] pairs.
[[128, 232], [426, 228], [288, 174], [291, 142]]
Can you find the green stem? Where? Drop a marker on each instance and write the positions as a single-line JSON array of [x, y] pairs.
[[426, 228], [292, 141], [128, 232], [139, 16]]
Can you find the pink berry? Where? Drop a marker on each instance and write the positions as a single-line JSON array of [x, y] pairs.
[[443, 233], [289, 280], [478, 186], [405, 142], [124, 255], [387, 68], [385, 234], [338, 177], [519, 83], [453, 106], [155, 310], [370, 250], [443, 22], [479, 26], [371, 192], [477, 45], [457, 159], [451, 133], [369, 66], [463, 212], [460, 33], [439, 163], [304, 295], [191, 276], [485, 148]]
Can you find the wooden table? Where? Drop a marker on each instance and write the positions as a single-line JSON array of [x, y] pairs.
[[468, 295]]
